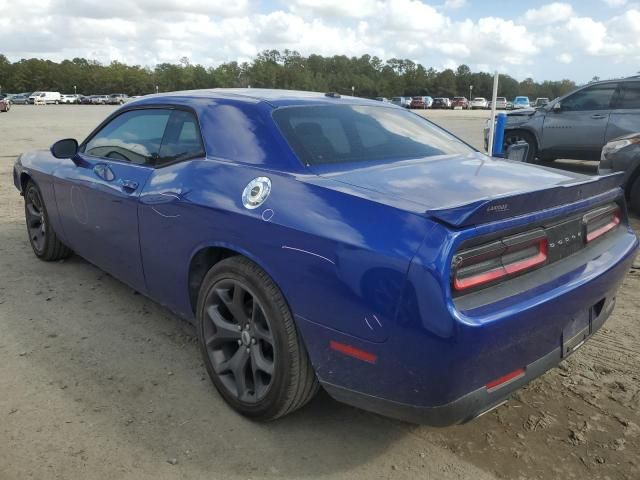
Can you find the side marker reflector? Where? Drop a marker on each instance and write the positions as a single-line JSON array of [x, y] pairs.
[[502, 381], [353, 352]]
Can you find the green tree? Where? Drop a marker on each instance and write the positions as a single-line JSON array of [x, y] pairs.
[[370, 75]]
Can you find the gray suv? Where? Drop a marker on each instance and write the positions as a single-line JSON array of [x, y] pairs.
[[578, 124]]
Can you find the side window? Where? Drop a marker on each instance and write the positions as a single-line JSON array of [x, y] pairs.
[[630, 97], [134, 136], [597, 97], [182, 139]]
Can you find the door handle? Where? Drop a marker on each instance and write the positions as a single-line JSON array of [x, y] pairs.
[[598, 115], [129, 185]]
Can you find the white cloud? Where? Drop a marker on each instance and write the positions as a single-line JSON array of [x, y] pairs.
[[333, 8], [147, 32], [564, 58], [615, 3], [551, 13], [453, 4]]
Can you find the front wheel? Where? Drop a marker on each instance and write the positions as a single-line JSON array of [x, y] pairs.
[[250, 344], [44, 241]]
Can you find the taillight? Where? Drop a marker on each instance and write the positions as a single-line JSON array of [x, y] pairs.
[[601, 221], [499, 260]]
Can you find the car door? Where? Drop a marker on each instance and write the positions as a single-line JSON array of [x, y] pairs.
[[98, 192], [167, 218], [625, 115], [577, 129]]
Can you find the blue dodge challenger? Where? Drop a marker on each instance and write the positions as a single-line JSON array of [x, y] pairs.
[[317, 240]]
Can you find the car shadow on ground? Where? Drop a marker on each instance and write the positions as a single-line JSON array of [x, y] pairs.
[[577, 166], [132, 369]]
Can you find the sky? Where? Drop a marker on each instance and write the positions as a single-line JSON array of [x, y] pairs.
[[544, 40]]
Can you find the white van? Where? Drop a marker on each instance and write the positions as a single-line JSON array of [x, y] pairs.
[[45, 97]]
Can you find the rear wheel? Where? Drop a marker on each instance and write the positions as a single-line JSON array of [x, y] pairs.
[[44, 241], [515, 136], [634, 196], [249, 342]]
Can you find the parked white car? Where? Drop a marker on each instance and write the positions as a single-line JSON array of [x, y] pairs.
[[45, 98], [501, 103], [69, 98], [479, 102], [401, 101], [100, 99]]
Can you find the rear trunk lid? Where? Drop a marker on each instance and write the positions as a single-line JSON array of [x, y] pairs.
[[463, 190]]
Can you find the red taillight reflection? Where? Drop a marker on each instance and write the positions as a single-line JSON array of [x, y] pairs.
[[353, 352], [502, 381]]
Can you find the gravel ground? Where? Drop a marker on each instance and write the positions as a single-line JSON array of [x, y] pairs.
[[99, 382]]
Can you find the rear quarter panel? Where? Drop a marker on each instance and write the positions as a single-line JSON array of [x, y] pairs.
[[337, 258]]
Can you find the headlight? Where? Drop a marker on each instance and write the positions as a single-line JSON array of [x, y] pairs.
[[614, 146]]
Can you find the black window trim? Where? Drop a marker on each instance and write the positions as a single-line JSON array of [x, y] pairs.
[[155, 106]]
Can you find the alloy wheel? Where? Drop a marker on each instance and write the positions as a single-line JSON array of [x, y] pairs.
[[239, 340], [36, 220]]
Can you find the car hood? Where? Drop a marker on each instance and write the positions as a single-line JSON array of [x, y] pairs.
[[528, 111], [465, 189]]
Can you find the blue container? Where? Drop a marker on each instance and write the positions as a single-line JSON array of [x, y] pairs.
[[498, 135]]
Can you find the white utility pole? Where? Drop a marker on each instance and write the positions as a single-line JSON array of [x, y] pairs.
[[492, 124]]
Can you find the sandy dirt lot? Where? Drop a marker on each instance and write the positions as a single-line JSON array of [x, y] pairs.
[[97, 381]]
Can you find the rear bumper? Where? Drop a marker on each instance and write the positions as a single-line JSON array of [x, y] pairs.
[[436, 360], [468, 406]]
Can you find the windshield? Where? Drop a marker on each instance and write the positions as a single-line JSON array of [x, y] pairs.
[[353, 133]]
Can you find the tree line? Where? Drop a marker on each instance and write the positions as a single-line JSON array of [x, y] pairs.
[[369, 76]]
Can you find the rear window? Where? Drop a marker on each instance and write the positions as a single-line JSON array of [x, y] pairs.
[[353, 133]]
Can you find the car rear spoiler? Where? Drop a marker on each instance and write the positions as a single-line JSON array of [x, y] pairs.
[[513, 205]]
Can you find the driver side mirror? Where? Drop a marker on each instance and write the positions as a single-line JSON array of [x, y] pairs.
[[66, 148], [557, 107]]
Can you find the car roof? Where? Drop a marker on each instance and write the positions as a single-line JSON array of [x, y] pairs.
[[274, 97]]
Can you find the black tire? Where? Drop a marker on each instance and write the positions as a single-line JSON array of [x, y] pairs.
[[43, 239], [634, 196], [514, 136], [268, 337]]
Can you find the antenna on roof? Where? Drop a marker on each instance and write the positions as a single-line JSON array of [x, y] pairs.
[[332, 95]]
